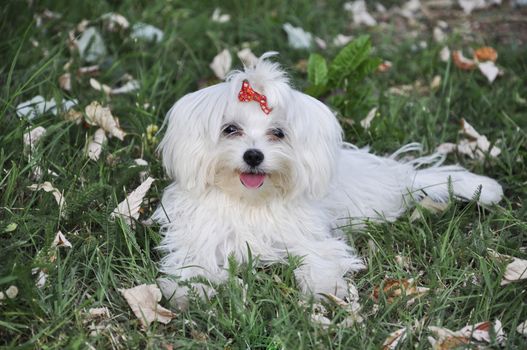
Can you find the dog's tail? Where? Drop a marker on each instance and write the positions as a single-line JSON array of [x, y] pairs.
[[438, 182]]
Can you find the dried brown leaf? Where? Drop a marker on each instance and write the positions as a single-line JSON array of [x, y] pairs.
[[393, 289], [65, 81], [516, 269], [462, 62], [95, 84], [102, 116], [95, 146], [129, 208], [366, 122], [221, 64], [143, 301], [486, 54], [98, 313], [394, 339], [61, 241], [48, 187]]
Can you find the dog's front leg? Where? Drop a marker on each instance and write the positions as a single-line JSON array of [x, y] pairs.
[[178, 283], [324, 266]]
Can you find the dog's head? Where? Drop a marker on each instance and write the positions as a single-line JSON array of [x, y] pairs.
[[285, 146]]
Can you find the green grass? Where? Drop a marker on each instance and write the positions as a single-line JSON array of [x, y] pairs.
[[447, 251]]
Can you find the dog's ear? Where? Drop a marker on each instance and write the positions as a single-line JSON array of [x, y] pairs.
[[194, 125], [317, 142]]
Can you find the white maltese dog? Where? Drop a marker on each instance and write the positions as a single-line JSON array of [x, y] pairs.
[[260, 166]]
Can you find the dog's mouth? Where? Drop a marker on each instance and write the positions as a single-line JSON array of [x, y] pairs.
[[252, 180]]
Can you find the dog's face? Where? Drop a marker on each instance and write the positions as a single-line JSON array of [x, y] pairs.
[[215, 141], [254, 153]]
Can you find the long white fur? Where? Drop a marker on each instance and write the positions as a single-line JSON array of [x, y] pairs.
[[314, 185]]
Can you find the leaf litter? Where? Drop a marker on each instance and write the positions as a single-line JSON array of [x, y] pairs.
[[143, 300], [128, 209]]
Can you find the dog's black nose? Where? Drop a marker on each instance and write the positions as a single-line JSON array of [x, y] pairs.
[[253, 157]]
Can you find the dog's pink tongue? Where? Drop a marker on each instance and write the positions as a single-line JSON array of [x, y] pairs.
[[252, 180]]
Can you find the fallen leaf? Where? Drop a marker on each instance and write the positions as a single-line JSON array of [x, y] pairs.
[[129, 208], [38, 106], [468, 335], [34, 107], [142, 163], [320, 319], [393, 289], [89, 70], [522, 328], [403, 261], [10, 293], [114, 22], [486, 54], [143, 31], [95, 146], [10, 228], [96, 85], [41, 278], [410, 9], [129, 86], [98, 313], [430, 205], [360, 13], [366, 122], [247, 57], [439, 34], [476, 146], [342, 40], [462, 62], [516, 270], [218, 17], [446, 339], [32, 138], [102, 116], [489, 70], [351, 305], [48, 187], [45, 16], [297, 37], [481, 332], [301, 65], [384, 66], [73, 116], [143, 301], [482, 143], [61, 241], [444, 54], [65, 81], [199, 336], [82, 25], [321, 43], [436, 82], [470, 5], [221, 64], [394, 339], [408, 89], [91, 45]]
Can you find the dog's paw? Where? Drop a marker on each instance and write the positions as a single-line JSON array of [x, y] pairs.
[[176, 295]]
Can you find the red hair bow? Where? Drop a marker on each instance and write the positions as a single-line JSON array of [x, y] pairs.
[[247, 94]]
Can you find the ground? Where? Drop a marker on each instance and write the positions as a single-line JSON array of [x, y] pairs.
[[446, 252]]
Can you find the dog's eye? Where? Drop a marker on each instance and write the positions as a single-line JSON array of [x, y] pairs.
[[231, 129], [278, 133]]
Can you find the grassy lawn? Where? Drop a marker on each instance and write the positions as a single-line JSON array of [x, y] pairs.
[[446, 252]]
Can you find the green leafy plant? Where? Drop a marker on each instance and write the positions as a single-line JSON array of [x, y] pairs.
[[343, 80]]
